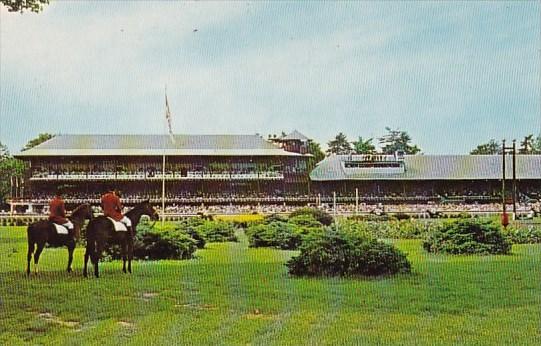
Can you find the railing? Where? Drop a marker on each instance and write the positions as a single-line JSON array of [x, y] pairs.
[[158, 176]]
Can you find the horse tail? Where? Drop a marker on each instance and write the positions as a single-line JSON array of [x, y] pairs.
[[90, 242]]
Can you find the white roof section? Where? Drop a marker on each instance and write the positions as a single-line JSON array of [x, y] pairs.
[[433, 167]]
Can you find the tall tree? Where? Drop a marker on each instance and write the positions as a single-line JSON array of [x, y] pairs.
[[9, 167], [24, 5], [4, 152], [536, 145], [362, 146], [396, 140], [42, 137], [527, 145], [314, 148], [493, 147], [339, 145]]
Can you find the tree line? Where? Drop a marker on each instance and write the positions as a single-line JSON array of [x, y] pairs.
[[24, 5], [11, 167], [529, 145]]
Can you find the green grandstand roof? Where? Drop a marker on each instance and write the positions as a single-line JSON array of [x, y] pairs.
[[155, 145], [433, 167], [295, 135]]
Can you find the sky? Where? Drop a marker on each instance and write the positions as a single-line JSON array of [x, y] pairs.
[[452, 74]]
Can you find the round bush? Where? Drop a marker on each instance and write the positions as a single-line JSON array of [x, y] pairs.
[[282, 234], [320, 215], [523, 234], [467, 236], [217, 231], [155, 244], [305, 220], [165, 244], [345, 253], [270, 218], [278, 234], [189, 227]]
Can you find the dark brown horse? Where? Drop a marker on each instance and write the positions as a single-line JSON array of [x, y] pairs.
[[44, 232], [101, 231]]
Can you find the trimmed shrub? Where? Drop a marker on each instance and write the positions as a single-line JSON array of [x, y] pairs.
[[271, 218], [164, 244], [305, 220], [467, 236], [190, 227], [217, 231], [278, 234], [346, 253], [286, 235], [153, 244], [196, 235], [523, 234], [320, 215]]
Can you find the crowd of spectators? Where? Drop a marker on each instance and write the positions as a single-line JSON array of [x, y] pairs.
[[142, 174], [430, 209]]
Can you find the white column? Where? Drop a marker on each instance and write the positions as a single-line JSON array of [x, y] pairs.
[[334, 203], [356, 201]]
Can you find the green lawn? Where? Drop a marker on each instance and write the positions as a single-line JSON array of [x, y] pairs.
[[232, 294]]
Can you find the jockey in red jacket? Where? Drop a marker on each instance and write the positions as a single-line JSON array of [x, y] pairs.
[[110, 203], [57, 211]]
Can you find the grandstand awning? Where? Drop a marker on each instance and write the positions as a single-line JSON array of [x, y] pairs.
[[156, 145], [434, 167]]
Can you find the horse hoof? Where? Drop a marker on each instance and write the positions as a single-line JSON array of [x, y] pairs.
[[69, 270]]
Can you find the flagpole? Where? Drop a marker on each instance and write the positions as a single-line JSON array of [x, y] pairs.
[[163, 163]]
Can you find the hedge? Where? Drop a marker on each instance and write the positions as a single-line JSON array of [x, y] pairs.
[[153, 244], [282, 234], [467, 236], [320, 215], [346, 253]]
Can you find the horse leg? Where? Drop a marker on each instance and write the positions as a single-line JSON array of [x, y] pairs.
[[90, 248], [71, 247], [96, 258], [29, 256], [124, 250], [85, 268], [130, 253], [41, 245]]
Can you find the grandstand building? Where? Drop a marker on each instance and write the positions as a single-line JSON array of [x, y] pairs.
[[198, 169], [425, 178], [247, 169]]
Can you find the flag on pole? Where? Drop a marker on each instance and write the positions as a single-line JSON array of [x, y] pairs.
[[168, 118]]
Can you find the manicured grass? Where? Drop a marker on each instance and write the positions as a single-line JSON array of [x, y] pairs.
[[232, 294]]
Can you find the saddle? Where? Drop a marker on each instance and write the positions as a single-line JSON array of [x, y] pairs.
[[119, 226], [61, 229]]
